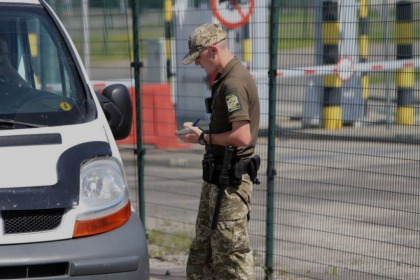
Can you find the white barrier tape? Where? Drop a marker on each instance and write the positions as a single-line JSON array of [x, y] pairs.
[[331, 69]]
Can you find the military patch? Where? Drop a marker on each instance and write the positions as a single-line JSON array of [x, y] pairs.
[[232, 100]]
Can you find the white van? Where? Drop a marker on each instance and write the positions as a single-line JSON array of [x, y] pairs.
[[65, 210]]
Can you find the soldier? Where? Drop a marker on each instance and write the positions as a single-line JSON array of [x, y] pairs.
[[224, 253]]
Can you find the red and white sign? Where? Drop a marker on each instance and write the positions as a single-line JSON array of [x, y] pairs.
[[344, 68], [232, 14]]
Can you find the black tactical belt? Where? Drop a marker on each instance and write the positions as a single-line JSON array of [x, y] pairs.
[[243, 166]]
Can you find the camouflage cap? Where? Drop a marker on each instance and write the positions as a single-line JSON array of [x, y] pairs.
[[202, 37]]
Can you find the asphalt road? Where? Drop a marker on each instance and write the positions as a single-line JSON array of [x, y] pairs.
[[351, 205]]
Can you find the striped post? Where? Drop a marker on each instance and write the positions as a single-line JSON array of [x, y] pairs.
[[247, 45], [331, 111], [168, 24], [405, 76], [363, 46]]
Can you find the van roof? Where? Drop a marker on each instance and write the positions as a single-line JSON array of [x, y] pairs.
[[20, 1]]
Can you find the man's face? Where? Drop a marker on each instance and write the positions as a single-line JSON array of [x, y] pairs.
[[206, 60]]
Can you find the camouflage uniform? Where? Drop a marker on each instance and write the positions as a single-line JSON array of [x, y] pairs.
[[225, 253]]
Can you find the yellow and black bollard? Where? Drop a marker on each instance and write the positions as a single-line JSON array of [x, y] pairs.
[[168, 25], [364, 48], [247, 45], [331, 111], [405, 76]]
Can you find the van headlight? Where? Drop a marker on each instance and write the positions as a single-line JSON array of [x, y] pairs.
[[104, 198]]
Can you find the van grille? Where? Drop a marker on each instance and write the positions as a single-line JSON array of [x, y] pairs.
[[34, 271], [25, 221]]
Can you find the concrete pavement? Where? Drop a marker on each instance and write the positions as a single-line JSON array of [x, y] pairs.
[[191, 158], [164, 270]]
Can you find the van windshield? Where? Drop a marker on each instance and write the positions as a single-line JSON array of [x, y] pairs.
[[39, 82]]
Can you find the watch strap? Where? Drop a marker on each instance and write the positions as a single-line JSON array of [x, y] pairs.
[[201, 139]]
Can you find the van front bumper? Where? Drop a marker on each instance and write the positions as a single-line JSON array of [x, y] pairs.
[[118, 254]]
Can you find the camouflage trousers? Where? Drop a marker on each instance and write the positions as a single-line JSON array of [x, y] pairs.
[[224, 253]]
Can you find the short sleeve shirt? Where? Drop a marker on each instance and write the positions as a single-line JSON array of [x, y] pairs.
[[235, 98]]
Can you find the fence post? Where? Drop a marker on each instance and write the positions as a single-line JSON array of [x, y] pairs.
[[405, 76], [140, 151], [271, 172]]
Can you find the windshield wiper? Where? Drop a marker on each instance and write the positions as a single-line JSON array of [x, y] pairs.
[[7, 121]]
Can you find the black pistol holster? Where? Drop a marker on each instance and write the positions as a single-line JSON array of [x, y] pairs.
[[253, 167], [240, 167], [236, 172], [209, 167]]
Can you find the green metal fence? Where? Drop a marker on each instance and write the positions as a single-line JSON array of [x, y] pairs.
[[338, 83]]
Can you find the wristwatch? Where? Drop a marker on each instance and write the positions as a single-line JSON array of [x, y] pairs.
[[201, 139]]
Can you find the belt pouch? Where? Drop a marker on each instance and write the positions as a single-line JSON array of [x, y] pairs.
[[236, 173], [253, 167], [209, 166]]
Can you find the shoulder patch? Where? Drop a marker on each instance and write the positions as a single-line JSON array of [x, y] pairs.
[[232, 100]]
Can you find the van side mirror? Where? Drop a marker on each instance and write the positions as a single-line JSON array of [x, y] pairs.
[[116, 103]]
